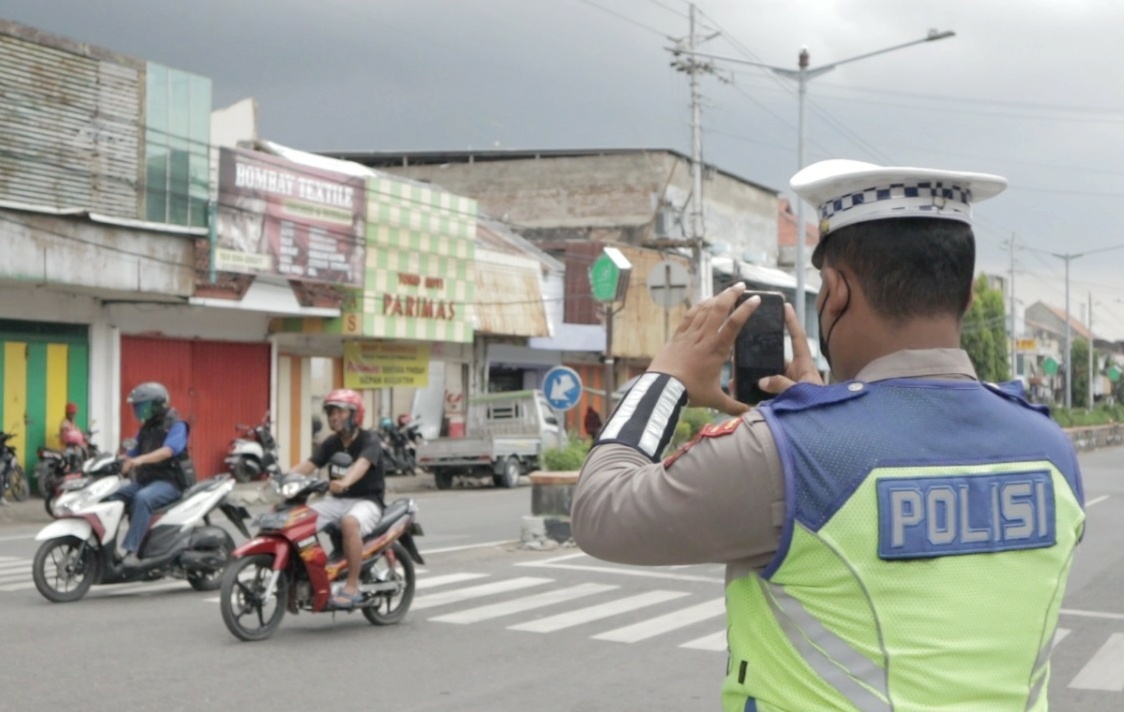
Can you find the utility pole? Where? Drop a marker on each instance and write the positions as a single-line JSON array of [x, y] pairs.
[[1068, 340], [687, 61], [1014, 336], [1090, 351]]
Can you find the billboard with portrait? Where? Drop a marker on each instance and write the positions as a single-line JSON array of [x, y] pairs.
[[284, 218]]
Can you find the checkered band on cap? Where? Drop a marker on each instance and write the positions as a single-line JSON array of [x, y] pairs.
[[928, 198]]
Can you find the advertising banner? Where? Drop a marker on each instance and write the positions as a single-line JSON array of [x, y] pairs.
[[283, 218], [384, 364]]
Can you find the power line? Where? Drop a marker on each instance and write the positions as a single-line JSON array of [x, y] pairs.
[[627, 19], [672, 10]]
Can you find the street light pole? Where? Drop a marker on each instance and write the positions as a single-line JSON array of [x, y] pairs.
[[802, 75], [1068, 257]]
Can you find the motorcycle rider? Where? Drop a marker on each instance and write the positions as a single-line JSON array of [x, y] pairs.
[[159, 459], [356, 500]]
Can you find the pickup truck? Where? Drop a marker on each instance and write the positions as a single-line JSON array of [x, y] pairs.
[[505, 435]]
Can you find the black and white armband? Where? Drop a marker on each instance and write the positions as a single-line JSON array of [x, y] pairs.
[[646, 418]]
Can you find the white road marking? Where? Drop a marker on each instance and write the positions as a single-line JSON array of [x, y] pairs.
[[20, 537], [139, 588], [486, 544], [1060, 635], [1105, 670], [596, 613], [1091, 614], [714, 641], [527, 603], [17, 586], [464, 594], [666, 623], [1096, 500], [424, 583], [643, 573]]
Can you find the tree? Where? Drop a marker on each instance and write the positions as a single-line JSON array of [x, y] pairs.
[[1080, 394], [984, 333]]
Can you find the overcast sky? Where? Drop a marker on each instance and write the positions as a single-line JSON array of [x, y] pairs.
[[1028, 89]]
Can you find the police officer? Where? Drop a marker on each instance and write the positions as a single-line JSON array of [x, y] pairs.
[[158, 461], [898, 540]]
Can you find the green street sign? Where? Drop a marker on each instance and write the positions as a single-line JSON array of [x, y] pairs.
[[1050, 366], [608, 276], [1114, 374]]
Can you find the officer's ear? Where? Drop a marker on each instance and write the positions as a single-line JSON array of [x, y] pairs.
[[835, 291]]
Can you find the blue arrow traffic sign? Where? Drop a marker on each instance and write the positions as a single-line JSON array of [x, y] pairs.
[[562, 387]]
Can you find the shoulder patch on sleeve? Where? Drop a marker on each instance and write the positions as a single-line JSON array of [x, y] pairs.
[[710, 430]]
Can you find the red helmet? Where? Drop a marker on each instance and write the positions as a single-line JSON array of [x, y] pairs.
[[71, 408], [347, 398]]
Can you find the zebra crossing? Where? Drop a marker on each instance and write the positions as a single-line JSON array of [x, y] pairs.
[[543, 605], [600, 603], [537, 599], [15, 576]]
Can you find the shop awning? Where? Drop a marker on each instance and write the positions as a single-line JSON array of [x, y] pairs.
[[508, 297]]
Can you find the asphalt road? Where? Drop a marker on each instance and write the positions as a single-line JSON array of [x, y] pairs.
[[494, 627]]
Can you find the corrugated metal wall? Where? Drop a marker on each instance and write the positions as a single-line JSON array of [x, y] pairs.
[[42, 367], [214, 385], [70, 128]]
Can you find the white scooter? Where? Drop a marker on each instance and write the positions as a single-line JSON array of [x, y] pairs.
[[80, 547]]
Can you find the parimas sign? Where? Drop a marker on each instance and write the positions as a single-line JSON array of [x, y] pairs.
[[384, 364], [284, 218]]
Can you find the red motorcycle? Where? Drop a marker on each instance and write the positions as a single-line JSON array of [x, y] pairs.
[[285, 567]]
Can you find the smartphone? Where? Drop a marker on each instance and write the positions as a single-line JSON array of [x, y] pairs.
[[759, 348]]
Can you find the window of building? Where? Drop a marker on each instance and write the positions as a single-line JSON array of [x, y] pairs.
[[177, 146]]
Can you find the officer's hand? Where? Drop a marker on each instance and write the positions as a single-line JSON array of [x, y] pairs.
[[702, 344], [802, 367]]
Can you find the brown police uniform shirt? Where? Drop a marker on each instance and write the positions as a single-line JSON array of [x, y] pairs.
[[720, 499]]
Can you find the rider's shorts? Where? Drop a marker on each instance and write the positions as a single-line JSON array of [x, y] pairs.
[[331, 510]]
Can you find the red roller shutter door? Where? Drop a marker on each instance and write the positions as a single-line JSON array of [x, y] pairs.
[[213, 384]]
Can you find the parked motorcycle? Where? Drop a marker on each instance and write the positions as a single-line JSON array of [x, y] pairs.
[[80, 547], [56, 468], [285, 567], [253, 457], [400, 444], [13, 480]]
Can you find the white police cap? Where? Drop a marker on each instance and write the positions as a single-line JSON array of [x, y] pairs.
[[848, 192]]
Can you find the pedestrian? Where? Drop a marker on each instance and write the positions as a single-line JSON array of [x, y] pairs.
[[897, 540], [592, 423]]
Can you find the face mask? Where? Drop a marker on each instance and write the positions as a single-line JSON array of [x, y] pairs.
[[143, 411], [825, 339]]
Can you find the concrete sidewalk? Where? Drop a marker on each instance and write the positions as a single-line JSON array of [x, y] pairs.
[[31, 511]]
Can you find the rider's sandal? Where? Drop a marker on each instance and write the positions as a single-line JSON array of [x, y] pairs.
[[344, 601]]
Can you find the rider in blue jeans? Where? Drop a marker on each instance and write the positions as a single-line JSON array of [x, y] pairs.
[[161, 442]]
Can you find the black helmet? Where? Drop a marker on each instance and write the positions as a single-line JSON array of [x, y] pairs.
[[149, 400]]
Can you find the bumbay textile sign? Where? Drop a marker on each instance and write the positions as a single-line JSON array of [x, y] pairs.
[[384, 364], [283, 218]]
